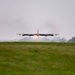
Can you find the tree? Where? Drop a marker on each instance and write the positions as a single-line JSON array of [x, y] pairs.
[[72, 40]]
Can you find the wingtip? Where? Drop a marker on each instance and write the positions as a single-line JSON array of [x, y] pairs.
[[18, 34], [57, 34]]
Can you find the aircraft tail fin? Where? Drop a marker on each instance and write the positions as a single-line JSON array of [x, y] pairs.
[[37, 31]]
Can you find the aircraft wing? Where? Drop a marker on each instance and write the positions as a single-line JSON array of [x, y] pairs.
[[38, 34], [27, 35], [46, 34]]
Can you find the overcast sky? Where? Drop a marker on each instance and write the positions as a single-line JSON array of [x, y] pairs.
[[25, 16]]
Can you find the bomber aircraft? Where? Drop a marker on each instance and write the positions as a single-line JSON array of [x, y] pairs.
[[37, 34]]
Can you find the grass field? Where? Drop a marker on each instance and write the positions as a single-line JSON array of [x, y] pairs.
[[32, 58]]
